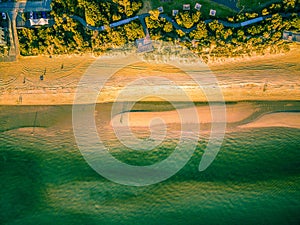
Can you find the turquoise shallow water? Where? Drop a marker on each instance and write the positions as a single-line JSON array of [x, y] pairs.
[[44, 179]]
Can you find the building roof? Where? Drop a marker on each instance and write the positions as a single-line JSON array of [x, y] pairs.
[[198, 6], [161, 9], [175, 12], [144, 44], [186, 6], [38, 22], [291, 36], [212, 12]]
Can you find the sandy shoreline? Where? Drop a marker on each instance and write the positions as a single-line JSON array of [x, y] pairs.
[[273, 77], [291, 120]]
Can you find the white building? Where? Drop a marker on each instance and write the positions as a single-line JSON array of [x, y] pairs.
[[186, 7], [38, 22], [212, 12], [198, 6], [160, 9], [175, 12]]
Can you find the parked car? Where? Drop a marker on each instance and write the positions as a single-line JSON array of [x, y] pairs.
[[31, 15]]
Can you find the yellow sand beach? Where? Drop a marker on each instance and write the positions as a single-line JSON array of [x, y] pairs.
[[273, 77]]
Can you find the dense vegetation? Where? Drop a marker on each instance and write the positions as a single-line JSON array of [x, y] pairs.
[[69, 36], [208, 40]]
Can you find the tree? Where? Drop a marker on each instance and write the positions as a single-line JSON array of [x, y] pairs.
[[227, 33], [117, 37], [289, 4], [116, 17], [168, 27], [217, 28], [128, 7], [153, 24], [241, 35], [154, 14], [200, 33], [196, 17], [186, 20], [180, 33], [295, 23], [276, 22], [68, 35], [133, 31], [264, 12], [93, 14]]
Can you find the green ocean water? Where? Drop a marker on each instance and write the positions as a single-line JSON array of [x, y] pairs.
[[44, 179]]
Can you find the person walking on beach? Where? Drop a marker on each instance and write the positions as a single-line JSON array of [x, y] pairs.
[[20, 99], [42, 76]]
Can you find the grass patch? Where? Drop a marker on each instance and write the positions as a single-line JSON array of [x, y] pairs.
[[256, 5], [146, 7], [222, 11]]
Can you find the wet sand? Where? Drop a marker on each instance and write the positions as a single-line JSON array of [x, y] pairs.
[[202, 115], [199, 114], [290, 119]]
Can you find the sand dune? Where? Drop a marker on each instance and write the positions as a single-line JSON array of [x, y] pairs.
[[200, 114], [287, 119]]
